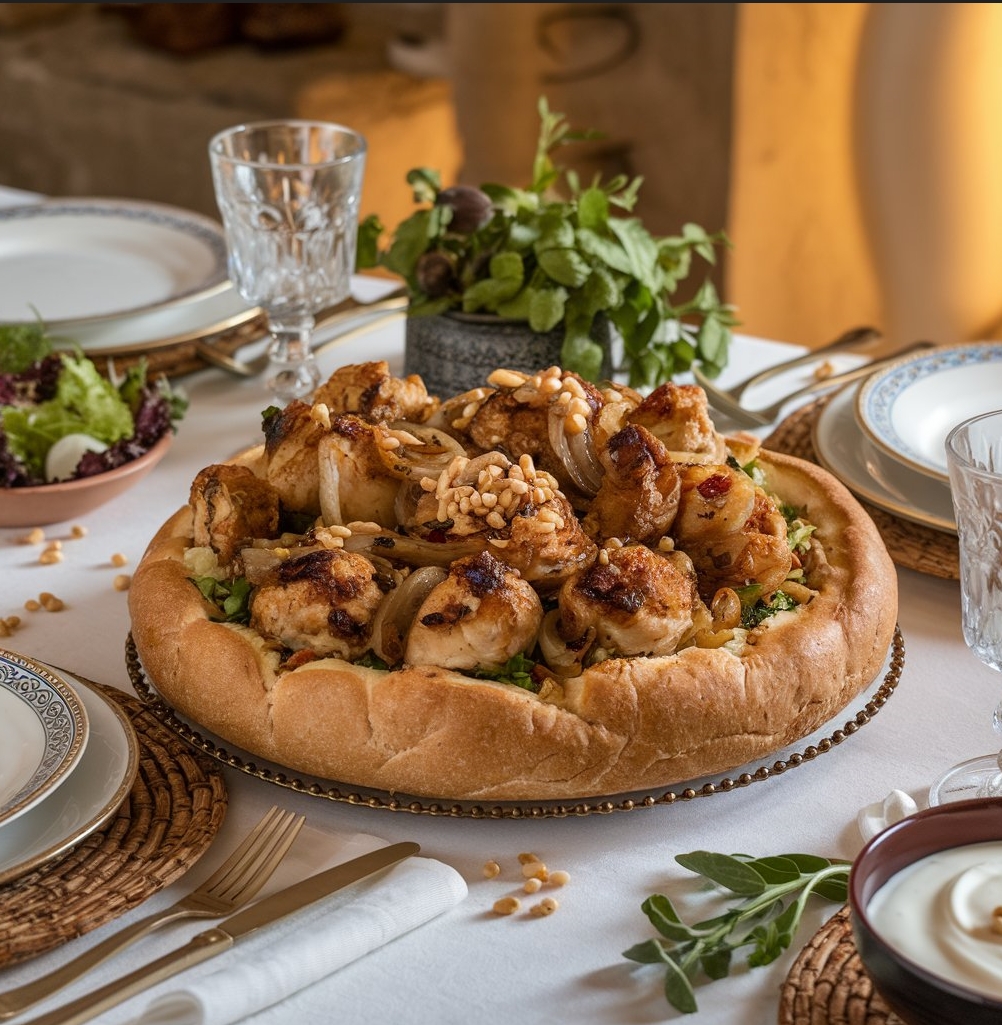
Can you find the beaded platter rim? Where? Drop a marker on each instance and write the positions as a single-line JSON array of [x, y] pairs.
[[364, 797]]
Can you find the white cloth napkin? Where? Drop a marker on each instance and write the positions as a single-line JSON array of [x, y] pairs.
[[271, 965]]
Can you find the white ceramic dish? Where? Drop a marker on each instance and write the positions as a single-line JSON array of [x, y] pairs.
[[220, 310], [90, 796], [43, 733], [844, 450], [76, 261], [908, 408]]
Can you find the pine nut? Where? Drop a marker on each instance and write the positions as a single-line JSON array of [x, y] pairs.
[[122, 582], [545, 907], [78, 530], [491, 869], [507, 906], [535, 870], [559, 878], [118, 559], [31, 605], [48, 557], [527, 858], [532, 885]]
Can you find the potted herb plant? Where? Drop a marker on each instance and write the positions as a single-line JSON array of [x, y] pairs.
[[548, 274]]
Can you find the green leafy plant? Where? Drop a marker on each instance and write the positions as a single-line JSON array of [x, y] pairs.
[[556, 254], [774, 892]]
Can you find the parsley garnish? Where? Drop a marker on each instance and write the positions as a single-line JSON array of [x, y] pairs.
[[517, 670], [759, 920], [370, 660], [232, 597], [755, 609]]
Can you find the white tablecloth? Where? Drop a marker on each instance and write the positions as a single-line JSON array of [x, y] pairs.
[[470, 965]]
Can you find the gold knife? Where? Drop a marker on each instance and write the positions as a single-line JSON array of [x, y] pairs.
[[223, 936]]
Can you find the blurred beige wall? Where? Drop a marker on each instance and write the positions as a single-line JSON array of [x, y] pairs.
[[801, 269]]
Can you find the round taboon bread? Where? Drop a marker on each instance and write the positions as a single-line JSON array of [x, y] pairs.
[[620, 725]]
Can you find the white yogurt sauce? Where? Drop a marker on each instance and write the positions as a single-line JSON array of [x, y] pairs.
[[938, 913]]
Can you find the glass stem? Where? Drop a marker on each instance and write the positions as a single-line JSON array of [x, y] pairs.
[[293, 372]]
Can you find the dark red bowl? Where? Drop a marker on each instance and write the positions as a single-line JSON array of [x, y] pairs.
[[915, 994]]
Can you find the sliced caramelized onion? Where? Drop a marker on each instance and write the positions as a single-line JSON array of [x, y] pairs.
[[396, 612], [405, 504], [414, 551], [435, 451], [574, 451], [258, 563], [330, 483], [564, 661]]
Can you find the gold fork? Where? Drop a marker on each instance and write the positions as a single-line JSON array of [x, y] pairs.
[[232, 885]]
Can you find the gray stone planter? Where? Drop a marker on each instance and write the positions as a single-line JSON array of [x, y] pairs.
[[455, 352]]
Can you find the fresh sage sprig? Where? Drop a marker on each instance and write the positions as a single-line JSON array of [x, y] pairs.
[[774, 892]]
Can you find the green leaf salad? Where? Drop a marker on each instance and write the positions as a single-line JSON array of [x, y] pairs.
[[60, 419]]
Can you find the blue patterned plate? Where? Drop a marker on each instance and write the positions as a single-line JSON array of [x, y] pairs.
[[908, 408], [43, 733]]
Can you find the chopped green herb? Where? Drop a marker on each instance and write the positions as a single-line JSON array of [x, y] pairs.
[[759, 920], [371, 661], [517, 670], [232, 597], [753, 614]]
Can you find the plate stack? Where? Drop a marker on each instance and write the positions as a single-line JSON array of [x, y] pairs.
[[68, 759], [884, 437], [121, 278]]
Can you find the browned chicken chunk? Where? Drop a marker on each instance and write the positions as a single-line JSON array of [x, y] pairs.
[[679, 417], [370, 390], [291, 439], [481, 615], [640, 489], [232, 506], [639, 602], [322, 601]]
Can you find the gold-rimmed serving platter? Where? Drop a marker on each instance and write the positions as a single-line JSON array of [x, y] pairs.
[[831, 736]]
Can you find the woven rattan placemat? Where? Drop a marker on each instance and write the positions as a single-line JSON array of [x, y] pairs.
[[828, 985], [910, 544], [171, 816]]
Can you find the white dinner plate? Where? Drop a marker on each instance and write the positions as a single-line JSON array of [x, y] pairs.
[[91, 795], [908, 408], [43, 733], [76, 261], [220, 310], [844, 450]]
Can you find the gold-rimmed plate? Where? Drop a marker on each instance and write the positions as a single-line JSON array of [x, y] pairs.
[[88, 798], [43, 734], [843, 450]]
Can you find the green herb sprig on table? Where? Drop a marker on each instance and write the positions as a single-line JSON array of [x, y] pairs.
[[774, 892], [556, 255]]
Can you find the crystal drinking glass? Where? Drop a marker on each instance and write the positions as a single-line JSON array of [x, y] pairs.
[[974, 461], [288, 192]]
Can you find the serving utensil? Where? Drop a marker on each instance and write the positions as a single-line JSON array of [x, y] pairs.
[[728, 401], [373, 313], [230, 887], [215, 941]]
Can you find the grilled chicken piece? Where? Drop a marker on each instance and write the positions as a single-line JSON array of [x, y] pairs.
[[716, 500], [640, 489], [517, 422], [370, 390], [481, 615], [291, 439], [322, 601], [640, 603], [757, 553], [354, 481], [543, 556], [678, 416], [232, 506]]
